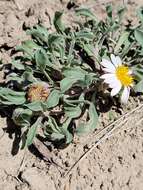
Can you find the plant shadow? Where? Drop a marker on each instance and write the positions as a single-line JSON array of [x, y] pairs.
[[13, 131], [104, 103]]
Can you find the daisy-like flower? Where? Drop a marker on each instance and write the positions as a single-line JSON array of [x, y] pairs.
[[118, 76], [38, 92]]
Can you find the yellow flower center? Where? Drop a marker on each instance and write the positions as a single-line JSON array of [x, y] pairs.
[[122, 73]]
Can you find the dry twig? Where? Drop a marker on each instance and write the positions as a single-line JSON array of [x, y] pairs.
[[108, 133]]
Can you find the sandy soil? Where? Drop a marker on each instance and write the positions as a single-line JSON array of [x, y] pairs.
[[115, 164]]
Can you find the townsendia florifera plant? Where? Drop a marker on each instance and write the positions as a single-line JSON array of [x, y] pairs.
[[56, 87]]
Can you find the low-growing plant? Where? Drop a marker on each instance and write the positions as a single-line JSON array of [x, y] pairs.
[[55, 87]]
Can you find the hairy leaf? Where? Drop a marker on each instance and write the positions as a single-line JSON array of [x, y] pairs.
[[85, 128], [28, 47], [73, 112], [35, 106], [139, 86], [85, 12], [140, 14], [139, 36], [22, 117], [40, 33], [57, 133], [87, 35], [53, 99], [67, 83], [76, 72], [122, 40], [17, 64], [32, 132], [109, 11], [11, 97], [120, 13], [65, 131], [58, 23], [41, 59]]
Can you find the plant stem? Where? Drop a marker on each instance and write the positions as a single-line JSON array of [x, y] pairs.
[[48, 77]]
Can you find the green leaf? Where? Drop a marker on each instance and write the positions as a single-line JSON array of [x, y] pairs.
[[120, 13], [88, 80], [11, 97], [139, 87], [35, 106], [53, 39], [85, 12], [32, 131], [87, 35], [58, 23], [73, 112], [57, 133], [28, 47], [75, 75], [140, 14], [40, 33], [51, 126], [85, 128], [76, 72], [27, 76], [22, 117], [57, 136], [67, 83], [23, 138], [139, 36], [53, 99], [89, 49], [17, 64], [41, 59], [65, 131], [109, 12], [52, 130], [138, 72], [122, 40], [31, 45], [14, 77]]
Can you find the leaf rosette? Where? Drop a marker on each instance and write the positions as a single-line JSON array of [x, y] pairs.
[[57, 78]]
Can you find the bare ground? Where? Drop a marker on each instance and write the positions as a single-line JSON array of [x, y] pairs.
[[116, 163]]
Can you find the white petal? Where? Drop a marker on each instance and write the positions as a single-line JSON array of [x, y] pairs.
[[116, 60], [125, 95], [116, 90], [105, 62], [111, 81], [108, 70], [115, 83], [130, 72], [108, 64], [108, 75]]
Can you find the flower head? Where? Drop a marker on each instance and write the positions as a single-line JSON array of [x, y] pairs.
[[117, 76], [38, 92]]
